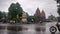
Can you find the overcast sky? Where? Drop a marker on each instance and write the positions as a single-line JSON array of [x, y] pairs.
[[30, 6]]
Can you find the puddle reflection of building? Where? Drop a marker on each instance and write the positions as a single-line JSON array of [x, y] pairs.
[[27, 29], [12, 32], [40, 29], [40, 32]]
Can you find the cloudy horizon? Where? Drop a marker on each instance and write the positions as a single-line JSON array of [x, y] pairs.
[[30, 6]]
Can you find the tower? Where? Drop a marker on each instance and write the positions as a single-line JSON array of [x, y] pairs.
[[40, 15], [37, 13], [43, 14]]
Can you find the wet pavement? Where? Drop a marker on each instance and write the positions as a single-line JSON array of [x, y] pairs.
[[29, 29]]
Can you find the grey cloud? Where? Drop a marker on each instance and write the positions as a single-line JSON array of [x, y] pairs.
[[30, 6]]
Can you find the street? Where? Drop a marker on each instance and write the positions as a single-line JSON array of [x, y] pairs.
[[31, 29]]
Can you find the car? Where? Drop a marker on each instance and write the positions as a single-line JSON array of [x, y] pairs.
[[55, 27], [58, 23], [52, 29]]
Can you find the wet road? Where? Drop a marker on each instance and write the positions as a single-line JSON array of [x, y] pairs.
[[31, 29]]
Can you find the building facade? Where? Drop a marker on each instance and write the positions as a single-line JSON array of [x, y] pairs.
[[24, 17]]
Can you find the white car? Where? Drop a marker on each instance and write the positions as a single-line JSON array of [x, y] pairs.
[[55, 26], [58, 25]]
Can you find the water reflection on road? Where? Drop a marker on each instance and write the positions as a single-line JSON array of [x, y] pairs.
[[27, 29]]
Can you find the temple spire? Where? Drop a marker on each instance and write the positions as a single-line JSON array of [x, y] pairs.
[[43, 14], [37, 13]]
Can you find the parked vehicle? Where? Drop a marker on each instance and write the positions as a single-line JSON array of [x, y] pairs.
[[55, 27], [58, 23], [52, 29]]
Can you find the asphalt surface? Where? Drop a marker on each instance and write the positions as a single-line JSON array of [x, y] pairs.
[[44, 29]]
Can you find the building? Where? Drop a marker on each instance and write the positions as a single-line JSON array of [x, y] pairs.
[[43, 15], [24, 17], [52, 18], [40, 15], [37, 13]]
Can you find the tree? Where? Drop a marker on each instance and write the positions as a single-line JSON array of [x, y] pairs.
[[1, 16], [58, 2], [4, 14], [14, 10], [32, 19], [59, 11]]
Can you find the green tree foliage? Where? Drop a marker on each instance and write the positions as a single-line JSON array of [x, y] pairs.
[[32, 19], [1, 15], [27, 14], [4, 16], [14, 10], [59, 11], [58, 1]]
